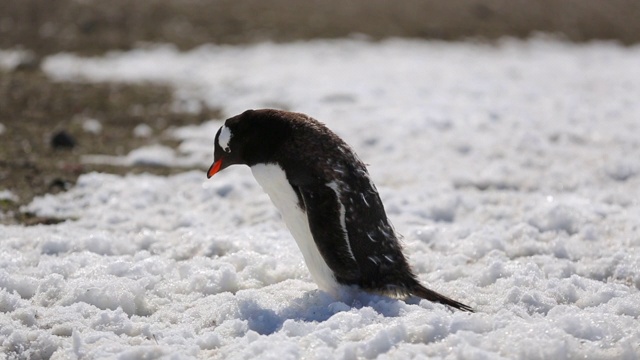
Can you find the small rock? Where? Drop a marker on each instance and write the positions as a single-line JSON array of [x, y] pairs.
[[59, 184], [62, 140]]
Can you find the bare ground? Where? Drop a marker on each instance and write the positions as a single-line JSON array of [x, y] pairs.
[[34, 109], [93, 26]]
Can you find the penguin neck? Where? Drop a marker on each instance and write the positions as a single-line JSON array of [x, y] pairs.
[[273, 180]]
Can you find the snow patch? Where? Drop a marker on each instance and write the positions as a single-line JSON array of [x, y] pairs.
[[509, 169]]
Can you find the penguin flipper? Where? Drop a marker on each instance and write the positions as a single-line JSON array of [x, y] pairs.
[[323, 214]]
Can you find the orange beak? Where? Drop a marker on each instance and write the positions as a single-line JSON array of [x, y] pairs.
[[215, 167]]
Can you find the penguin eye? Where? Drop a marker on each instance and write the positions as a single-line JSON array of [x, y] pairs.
[[224, 138]]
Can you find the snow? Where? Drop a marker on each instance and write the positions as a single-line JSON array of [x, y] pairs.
[[10, 59], [142, 131], [8, 195], [92, 126], [510, 169]]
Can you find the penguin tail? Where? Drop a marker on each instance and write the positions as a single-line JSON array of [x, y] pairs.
[[422, 292]]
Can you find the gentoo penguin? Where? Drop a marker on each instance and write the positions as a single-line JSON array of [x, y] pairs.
[[327, 200]]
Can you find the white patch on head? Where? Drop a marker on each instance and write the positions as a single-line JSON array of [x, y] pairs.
[[224, 138], [274, 182]]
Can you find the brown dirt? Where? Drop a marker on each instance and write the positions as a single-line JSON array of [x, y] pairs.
[[33, 109], [94, 26]]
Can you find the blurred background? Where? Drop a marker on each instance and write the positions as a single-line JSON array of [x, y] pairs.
[[93, 26], [45, 126]]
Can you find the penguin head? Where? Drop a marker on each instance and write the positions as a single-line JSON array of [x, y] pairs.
[[253, 137]]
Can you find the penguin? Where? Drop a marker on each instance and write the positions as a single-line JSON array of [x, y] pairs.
[[327, 201]]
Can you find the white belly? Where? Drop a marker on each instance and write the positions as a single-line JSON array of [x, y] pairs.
[[274, 182]]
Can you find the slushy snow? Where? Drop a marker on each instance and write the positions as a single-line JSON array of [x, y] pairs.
[[511, 170]]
